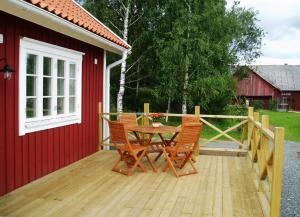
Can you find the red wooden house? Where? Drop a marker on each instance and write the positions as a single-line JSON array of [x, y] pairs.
[[273, 82], [49, 106]]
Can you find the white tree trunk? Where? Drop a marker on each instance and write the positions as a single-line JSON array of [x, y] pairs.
[[186, 82], [123, 66], [186, 75]]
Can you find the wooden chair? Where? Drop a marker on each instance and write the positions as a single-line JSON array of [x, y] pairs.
[[131, 120], [128, 120], [177, 156], [190, 119], [130, 154]]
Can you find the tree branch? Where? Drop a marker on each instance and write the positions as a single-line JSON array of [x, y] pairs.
[[129, 82]]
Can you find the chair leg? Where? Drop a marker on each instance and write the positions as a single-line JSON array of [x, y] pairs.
[[150, 162], [137, 163], [169, 163]]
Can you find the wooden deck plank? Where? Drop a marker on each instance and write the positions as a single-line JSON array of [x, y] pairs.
[[89, 188]]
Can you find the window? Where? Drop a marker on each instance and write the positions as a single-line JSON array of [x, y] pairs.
[[51, 76]]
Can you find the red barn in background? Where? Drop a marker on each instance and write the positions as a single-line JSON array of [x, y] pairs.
[[272, 82], [49, 105]]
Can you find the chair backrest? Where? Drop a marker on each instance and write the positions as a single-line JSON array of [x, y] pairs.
[[118, 134], [188, 137], [128, 120], [190, 119]]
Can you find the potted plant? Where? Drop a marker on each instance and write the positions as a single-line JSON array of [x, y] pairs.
[[156, 118]]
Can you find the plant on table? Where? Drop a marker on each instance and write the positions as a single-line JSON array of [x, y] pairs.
[[157, 118]]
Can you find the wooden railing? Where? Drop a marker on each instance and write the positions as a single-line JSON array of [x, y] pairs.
[[266, 155], [265, 149], [146, 119]]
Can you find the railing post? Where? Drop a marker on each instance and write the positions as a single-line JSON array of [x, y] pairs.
[[146, 113], [264, 146], [100, 124], [256, 134], [197, 114], [145, 120], [250, 126], [277, 172]]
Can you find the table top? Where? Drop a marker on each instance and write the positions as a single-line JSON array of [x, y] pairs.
[[152, 130]]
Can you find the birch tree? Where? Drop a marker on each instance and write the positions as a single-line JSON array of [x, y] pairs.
[[124, 57]]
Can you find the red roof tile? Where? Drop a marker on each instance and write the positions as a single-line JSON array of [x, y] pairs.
[[71, 11]]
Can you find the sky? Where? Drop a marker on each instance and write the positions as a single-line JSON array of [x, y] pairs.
[[281, 21]]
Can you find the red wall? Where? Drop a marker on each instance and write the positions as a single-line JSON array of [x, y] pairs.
[[255, 86], [24, 159], [296, 96]]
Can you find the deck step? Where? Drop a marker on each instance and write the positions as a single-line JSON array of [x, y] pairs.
[[223, 152]]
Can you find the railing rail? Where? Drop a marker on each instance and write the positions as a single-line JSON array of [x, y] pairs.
[[266, 155], [146, 119]]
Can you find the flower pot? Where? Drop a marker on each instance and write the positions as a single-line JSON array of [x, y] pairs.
[[156, 124]]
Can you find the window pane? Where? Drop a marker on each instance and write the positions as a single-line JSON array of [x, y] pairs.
[[47, 66], [31, 108], [46, 106], [60, 87], [30, 86], [72, 104], [60, 105], [60, 68], [31, 64], [46, 86], [72, 70], [72, 87]]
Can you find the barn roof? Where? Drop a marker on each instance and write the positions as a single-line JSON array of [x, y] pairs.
[[283, 77], [73, 12]]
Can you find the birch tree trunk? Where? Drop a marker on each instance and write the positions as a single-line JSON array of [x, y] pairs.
[[186, 82], [186, 75], [124, 56]]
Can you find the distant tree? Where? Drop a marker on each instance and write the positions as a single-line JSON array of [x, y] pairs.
[[182, 51]]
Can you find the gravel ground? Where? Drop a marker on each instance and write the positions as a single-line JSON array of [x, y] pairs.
[[291, 181], [290, 206]]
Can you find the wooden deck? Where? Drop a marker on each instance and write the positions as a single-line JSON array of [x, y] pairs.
[[223, 187]]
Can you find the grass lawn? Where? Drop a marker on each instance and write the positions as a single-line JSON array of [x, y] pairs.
[[208, 132], [289, 120]]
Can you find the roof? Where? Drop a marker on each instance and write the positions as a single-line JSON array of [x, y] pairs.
[[73, 12], [283, 77]]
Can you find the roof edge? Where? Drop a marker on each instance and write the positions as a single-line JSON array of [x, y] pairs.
[[125, 42], [49, 20]]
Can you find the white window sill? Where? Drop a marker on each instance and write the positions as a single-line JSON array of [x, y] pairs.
[[38, 125]]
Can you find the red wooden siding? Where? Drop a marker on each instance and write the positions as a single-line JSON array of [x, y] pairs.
[[255, 86], [24, 159], [296, 97]]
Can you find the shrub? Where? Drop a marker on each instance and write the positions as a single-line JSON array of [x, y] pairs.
[[258, 104], [273, 105]]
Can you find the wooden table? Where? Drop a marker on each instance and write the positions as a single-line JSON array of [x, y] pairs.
[[150, 130], [155, 130]]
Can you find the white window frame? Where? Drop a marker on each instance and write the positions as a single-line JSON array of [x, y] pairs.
[[40, 122]]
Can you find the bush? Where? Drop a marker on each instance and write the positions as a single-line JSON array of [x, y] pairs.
[[273, 105], [236, 110], [258, 104]]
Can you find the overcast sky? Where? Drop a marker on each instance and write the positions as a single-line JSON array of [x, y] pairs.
[[281, 21]]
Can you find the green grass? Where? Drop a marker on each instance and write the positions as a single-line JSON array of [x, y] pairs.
[[289, 120], [208, 132]]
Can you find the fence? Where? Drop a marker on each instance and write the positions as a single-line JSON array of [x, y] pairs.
[[146, 119], [266, 155]]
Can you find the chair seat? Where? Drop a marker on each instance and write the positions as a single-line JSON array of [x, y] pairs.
[[133, 146], [173, 149]]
